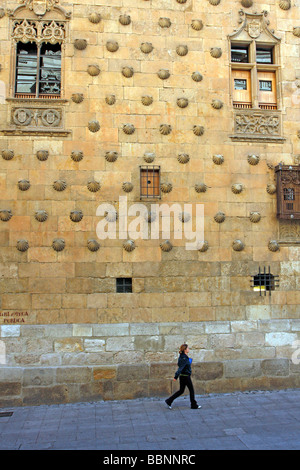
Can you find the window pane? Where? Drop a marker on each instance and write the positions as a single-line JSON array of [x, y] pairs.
[[240, 84], [26, 68], [124, 285], [264, 55], [239, 54], [265, 85], [50, 69]]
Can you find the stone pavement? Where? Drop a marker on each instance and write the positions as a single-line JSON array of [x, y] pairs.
[[252, 420]]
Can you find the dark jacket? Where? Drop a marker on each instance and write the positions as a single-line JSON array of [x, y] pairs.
[[184, 366]]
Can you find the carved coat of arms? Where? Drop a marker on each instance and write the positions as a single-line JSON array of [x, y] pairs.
[[40, 7], [254, 28]]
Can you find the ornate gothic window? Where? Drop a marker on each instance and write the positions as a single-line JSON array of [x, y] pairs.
[[255, 80]]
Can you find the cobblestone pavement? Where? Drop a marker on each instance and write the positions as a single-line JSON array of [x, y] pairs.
[[252, 420]]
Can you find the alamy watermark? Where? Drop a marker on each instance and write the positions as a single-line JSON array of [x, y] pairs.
[[182, 221]]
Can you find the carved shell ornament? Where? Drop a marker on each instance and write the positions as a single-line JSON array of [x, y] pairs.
[[94, 126], [164, 22], [80, 44], [184, 217], [112, 46], [273, 245], [181, 1], [77, 155], [198, 130], [237, 188], [197, 25], [76, 216], [166, 246], [214, 2], [149, 157], [111, 215], [197, 76], [203, 246], [183, 158], [95, 18], [128, 129], [42, 155], [217, 104], [182, 102], [255, 217], [147, 100], [146, 47], [182, 50], [253, 159], [127, 186], [216, 52], [93, 70], [285, 4], [41, 215], [77, 97], [200, 187], [125, 20], [58, 244], [8, 154], [5, 215], [238, 245], [127, 71], [296, 31], [150, 216], [219, 217], [22, 245], [163, 74], [23, 185], [247, 3], [111, 156], [218, 159], [165, 129], [129, 245], [93, 245], [271, 188], [110, 99], [93, 186], [2, 12], [59, 185], [166, 187]]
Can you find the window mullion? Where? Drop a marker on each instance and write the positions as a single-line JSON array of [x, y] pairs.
[[38, 70]]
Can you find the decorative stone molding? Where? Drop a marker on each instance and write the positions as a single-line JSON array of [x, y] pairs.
[[255, 217], [259, 125], [165, 129], [289, 233], [125, 20], [111, 156], [76, 216], [197, 25], [23, 185], [41, 7], [41, 215], [22, 245], [5, 215], [95, 18], [59, 185], [166, 246], [220, 217], [93, 186], [77, 97], [77, 155], [129, 245], [58, 244], [42, 155], [93, 245], [238, 245], [8, 154], [38, 31], [94, 126]]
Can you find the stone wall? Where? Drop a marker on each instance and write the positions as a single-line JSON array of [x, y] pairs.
[[65, 363]]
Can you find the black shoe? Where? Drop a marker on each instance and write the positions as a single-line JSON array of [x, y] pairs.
[[196, 407], [169, 404]]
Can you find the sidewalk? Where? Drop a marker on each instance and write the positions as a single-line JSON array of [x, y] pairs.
[[253, 420]]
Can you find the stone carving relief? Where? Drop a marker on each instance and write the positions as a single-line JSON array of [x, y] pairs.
[[36, 117], [40, 7], [39, 31], [257, 124]]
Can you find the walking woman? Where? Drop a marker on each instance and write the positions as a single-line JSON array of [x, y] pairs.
[[184, 373]]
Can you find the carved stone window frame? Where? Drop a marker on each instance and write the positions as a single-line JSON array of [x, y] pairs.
[[34, 115], [256, 123]]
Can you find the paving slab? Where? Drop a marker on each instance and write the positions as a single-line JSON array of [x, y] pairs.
[[238, 421]]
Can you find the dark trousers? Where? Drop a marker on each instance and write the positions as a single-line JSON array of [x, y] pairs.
[[185, 381]]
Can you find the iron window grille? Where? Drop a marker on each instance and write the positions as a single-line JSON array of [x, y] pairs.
[[264, 281], [288, 191], [124, 284], [150, 181]]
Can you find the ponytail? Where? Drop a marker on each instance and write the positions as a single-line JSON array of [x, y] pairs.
[[183, 348]]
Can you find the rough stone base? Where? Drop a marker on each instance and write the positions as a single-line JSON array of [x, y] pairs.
[[48, 364]]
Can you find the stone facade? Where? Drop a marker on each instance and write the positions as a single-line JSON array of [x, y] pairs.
[[145, 82]]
